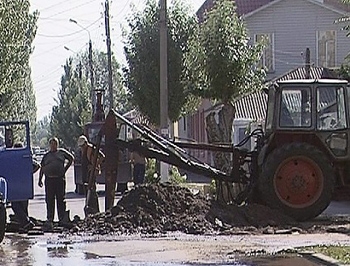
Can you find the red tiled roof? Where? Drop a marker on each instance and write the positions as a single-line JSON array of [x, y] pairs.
[[246, 6], [243, 6], [337, 4]]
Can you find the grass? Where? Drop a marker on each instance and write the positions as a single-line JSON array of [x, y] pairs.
[[339, 253]]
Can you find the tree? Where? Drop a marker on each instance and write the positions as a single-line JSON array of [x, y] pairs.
[[73, 109], [74, 104], [18, 29], [100, 69], [142, 50], [222, 65], [42, 132]]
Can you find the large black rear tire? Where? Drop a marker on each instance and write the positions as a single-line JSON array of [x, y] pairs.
[[298, 179], [2, 221]]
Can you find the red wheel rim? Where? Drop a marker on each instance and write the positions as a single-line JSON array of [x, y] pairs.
[[298, 182]]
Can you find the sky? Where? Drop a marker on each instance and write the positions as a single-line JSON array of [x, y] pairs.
[[57, 38]]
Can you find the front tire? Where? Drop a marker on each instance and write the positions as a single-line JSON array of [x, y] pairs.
[[298, 179]]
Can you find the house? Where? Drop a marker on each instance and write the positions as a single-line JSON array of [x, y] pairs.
[[290, 27]]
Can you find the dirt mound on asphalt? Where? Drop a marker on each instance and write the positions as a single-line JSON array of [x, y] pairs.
[[160, 208]]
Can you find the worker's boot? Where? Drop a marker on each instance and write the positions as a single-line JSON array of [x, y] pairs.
[[65, 221]]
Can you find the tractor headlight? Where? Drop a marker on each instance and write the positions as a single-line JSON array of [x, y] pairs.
[[338, 143]]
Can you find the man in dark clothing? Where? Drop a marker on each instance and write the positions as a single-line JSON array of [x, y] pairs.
[[139, 162], [54, 166], [87, 154]]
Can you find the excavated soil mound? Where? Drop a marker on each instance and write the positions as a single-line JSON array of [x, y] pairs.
[[161, 208]]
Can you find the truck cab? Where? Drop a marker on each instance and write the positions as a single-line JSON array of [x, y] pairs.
[[16, 166]]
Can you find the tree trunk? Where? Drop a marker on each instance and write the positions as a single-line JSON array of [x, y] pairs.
[[220, 131]]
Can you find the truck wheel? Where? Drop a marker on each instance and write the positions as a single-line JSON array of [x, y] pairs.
[[2, 221], [297, 179]]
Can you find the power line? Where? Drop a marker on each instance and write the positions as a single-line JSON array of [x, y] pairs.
[[71, 8], [73, 33]]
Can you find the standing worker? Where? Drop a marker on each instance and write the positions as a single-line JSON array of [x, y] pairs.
[[87, 156], [139, 162], [54, 166]]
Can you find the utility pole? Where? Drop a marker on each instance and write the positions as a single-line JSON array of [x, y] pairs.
[[307, 64], [163, 97], [163, 70], [91, 66], [109, 55], [111, 161]]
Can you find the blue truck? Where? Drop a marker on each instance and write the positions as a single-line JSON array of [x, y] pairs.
[[16, 167]]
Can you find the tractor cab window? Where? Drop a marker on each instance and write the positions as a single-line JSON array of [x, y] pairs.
[[331, 108], [295, 107]]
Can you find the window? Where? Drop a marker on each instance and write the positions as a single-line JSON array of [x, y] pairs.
[[267, 59], [331, 108], [295, 108], [326, 43]]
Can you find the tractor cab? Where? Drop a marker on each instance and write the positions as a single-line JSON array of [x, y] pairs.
[[312, 111]]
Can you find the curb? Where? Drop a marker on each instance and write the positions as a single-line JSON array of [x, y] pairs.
[[320, 259]]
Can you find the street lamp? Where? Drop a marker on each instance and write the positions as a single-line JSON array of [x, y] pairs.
[[90, 60], [68, 49], [76, 22]]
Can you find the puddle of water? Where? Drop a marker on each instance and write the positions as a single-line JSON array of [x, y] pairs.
[[57, 254], [16, 250]]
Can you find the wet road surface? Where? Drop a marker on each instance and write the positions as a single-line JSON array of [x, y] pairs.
[[19, 250], [52, 250]]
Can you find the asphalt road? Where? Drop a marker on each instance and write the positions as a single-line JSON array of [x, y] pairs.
[[76, 203], [52, 249]]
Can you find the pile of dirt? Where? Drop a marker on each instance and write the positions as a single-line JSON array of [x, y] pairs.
[[161, 208]]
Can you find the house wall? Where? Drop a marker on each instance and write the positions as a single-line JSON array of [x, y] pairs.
[[295, 25], [192, 128]]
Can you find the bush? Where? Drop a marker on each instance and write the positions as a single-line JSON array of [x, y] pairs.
[[175, 176], [151, 175]]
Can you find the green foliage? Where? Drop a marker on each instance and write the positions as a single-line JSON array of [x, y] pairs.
[[339, 253], [100, 70], [73, 107], [344, 71], [221, 64], [175, 176], [18, 29], [142, 50], [151, 175], [42, 133], [74, 104]]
